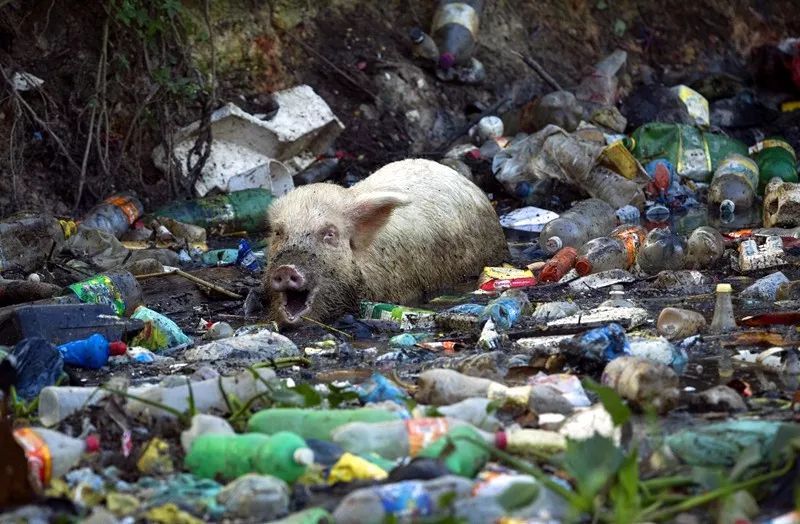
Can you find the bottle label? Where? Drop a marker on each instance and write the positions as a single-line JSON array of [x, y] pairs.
[[516, 396], [405, 501], [772, 142], [457, 13], [125, 205], [423, 431], [40, 462], [99, 290]]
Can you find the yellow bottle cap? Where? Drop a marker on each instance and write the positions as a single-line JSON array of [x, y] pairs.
[[724, 288]]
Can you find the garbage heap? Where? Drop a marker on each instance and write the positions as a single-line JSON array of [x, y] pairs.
[[636, 360]]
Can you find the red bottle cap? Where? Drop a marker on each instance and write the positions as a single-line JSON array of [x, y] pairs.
[[117, 348], [500, 440], [92, 444]]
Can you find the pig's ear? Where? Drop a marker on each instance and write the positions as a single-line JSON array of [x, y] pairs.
[[370, 213]]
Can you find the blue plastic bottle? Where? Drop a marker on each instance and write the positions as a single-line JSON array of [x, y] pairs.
[[92, 352]]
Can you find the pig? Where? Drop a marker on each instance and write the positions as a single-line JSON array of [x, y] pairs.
[[411, 228]]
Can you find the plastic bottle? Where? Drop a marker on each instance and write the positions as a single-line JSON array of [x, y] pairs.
[[628, 215], [246, 258], [395, 439], [585, 220], [52, 454], [307, 516], [28, 239], [723, 320], [662, 250], [506, 309], [458, 451], [676, 323], [313, 423], [244, 210], [455, 30], [600, 86], [92, 352], [116, 214], [736, 180], [704, 248], [407, 501], [207, 395], [559, 265], [616, 298], [643, 382], [616, 251], [422, 45], [283, 455], [775, 158], [120, 289], [532, 442], [475, 411]]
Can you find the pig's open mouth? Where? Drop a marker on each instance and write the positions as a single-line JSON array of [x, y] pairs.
[[296, 303]]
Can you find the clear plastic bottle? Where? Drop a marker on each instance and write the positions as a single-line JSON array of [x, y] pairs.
[[676, 323], [314, 423], [616, 251], [422, 45], [407, 501], [600, 86], [396, 439], [116, 214], [723, 320], [52, 454], [662, 250], [584, 221], [736, 179], [455, 30], [705, 247]]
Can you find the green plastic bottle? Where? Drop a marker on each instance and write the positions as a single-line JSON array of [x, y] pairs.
[[244, 210], [775, 158], [226, 457], [119, 289], [313, 423], [457, 451]]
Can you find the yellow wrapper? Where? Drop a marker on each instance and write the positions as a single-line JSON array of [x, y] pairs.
[[350, 467]]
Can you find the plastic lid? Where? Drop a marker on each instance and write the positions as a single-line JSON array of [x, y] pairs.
[[500, 440], [303, 456], [553, 244], [724, 288], [447, 60], [92, 444], [117, 348]]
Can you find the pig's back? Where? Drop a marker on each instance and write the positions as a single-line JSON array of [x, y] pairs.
[[446, 234]]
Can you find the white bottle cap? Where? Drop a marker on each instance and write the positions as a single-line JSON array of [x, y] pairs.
[[553, 244], [303, 456]]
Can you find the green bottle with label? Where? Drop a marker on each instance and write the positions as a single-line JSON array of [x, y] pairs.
[[459, 452], [775, 158], [244, 210]]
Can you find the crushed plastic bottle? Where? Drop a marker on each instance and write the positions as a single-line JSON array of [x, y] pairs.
[[616, 251], [662, 250], [676, 323], [600, 86], [91, 353], [705, 248], [735, 182], [28, 239], [776, 158], [52, 454], [585, 220], [116, 214], [643, 382], [455, 31]]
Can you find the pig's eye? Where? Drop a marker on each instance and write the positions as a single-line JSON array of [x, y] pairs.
[[329, 235]]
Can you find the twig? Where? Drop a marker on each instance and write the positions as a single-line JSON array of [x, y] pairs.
[[326, 326], [536, 66], [197, 280], [333, 66], [283, 362]]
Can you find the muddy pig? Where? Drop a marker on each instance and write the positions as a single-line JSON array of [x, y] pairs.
[[411, 228]]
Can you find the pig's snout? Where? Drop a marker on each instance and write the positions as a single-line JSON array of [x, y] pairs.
[[287, 278]]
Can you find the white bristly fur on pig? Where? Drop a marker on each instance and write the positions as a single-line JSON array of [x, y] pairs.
[[411, 228]]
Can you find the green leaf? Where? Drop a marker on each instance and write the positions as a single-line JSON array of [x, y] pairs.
[[311, 396], [518, 494], [620, 413], [338, 396], [592, 463]]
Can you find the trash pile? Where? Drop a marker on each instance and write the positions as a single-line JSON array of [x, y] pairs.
[[629, 354]]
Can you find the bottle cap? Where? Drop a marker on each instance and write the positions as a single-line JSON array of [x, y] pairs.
[[303, 456], [446, 60], [500, 440], [117, 348], [724, 288], [92, 444], [416, 35], [553, 244]]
